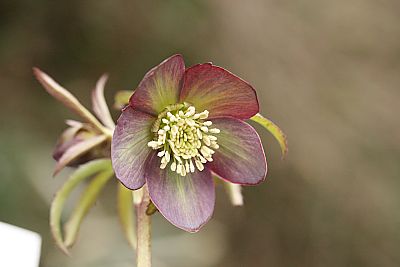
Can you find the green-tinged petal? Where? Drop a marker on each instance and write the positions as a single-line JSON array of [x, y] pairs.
[[240, 158], [78, 149], [160, 86], [121, 99], [129, 149], [61, 196], [274, 130], [126, 214], [99, 104], [215, 89], [65, 97], [187, 202], [88, 198]]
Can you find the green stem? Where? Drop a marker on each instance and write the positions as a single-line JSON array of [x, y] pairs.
[[143, 251]]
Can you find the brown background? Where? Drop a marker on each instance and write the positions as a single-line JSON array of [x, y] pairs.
[[326, 71]]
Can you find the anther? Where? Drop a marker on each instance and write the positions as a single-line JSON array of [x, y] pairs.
[[182, 134]]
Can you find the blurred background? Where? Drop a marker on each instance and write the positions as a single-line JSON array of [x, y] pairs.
[[327, 72]]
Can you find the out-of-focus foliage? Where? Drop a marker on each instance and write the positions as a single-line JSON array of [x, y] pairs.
[[327, 72], [103, 170]]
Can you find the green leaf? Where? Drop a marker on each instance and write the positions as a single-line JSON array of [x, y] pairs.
[[151, 209], [83, 172], [121, 99], [274, 130], [88, 198], [126, 214]]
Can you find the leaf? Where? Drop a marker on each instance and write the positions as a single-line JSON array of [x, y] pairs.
[[70, 101], [151, 209], [83, 172], [76, 150], [274, 130], [88, 198], [234, 192], [121, 99], [99, 104], [126, 214]]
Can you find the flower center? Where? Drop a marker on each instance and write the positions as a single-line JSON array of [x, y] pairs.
[[184, 138]]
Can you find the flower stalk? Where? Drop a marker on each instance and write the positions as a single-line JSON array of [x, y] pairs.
[[141, 200]]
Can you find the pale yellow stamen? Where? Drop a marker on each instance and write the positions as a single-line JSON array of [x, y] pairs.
[[184, 139]]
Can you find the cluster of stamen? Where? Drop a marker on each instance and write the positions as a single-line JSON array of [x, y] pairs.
[[184, 138]]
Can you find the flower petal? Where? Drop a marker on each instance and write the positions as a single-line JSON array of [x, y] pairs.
[[66, 140], [99, 104], [215, 89], [187, 202], [160, 86], [76, 150], [65, 97], [240, 158], [129, 150]]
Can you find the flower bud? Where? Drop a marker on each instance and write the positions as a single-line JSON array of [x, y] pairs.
[[73, 136]]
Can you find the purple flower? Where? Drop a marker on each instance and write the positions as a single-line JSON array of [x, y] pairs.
[[182, 125]]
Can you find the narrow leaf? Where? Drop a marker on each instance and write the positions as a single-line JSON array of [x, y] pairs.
[[65, 97], [61, 196], [126, 214], [274, 130], [76, 150], [234, 192], [121, 99], [99, 104], [88, 198]]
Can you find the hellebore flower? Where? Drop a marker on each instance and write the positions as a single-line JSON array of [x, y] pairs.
[[182, 125]]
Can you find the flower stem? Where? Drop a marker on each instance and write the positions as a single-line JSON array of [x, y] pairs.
[[143, 251]]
